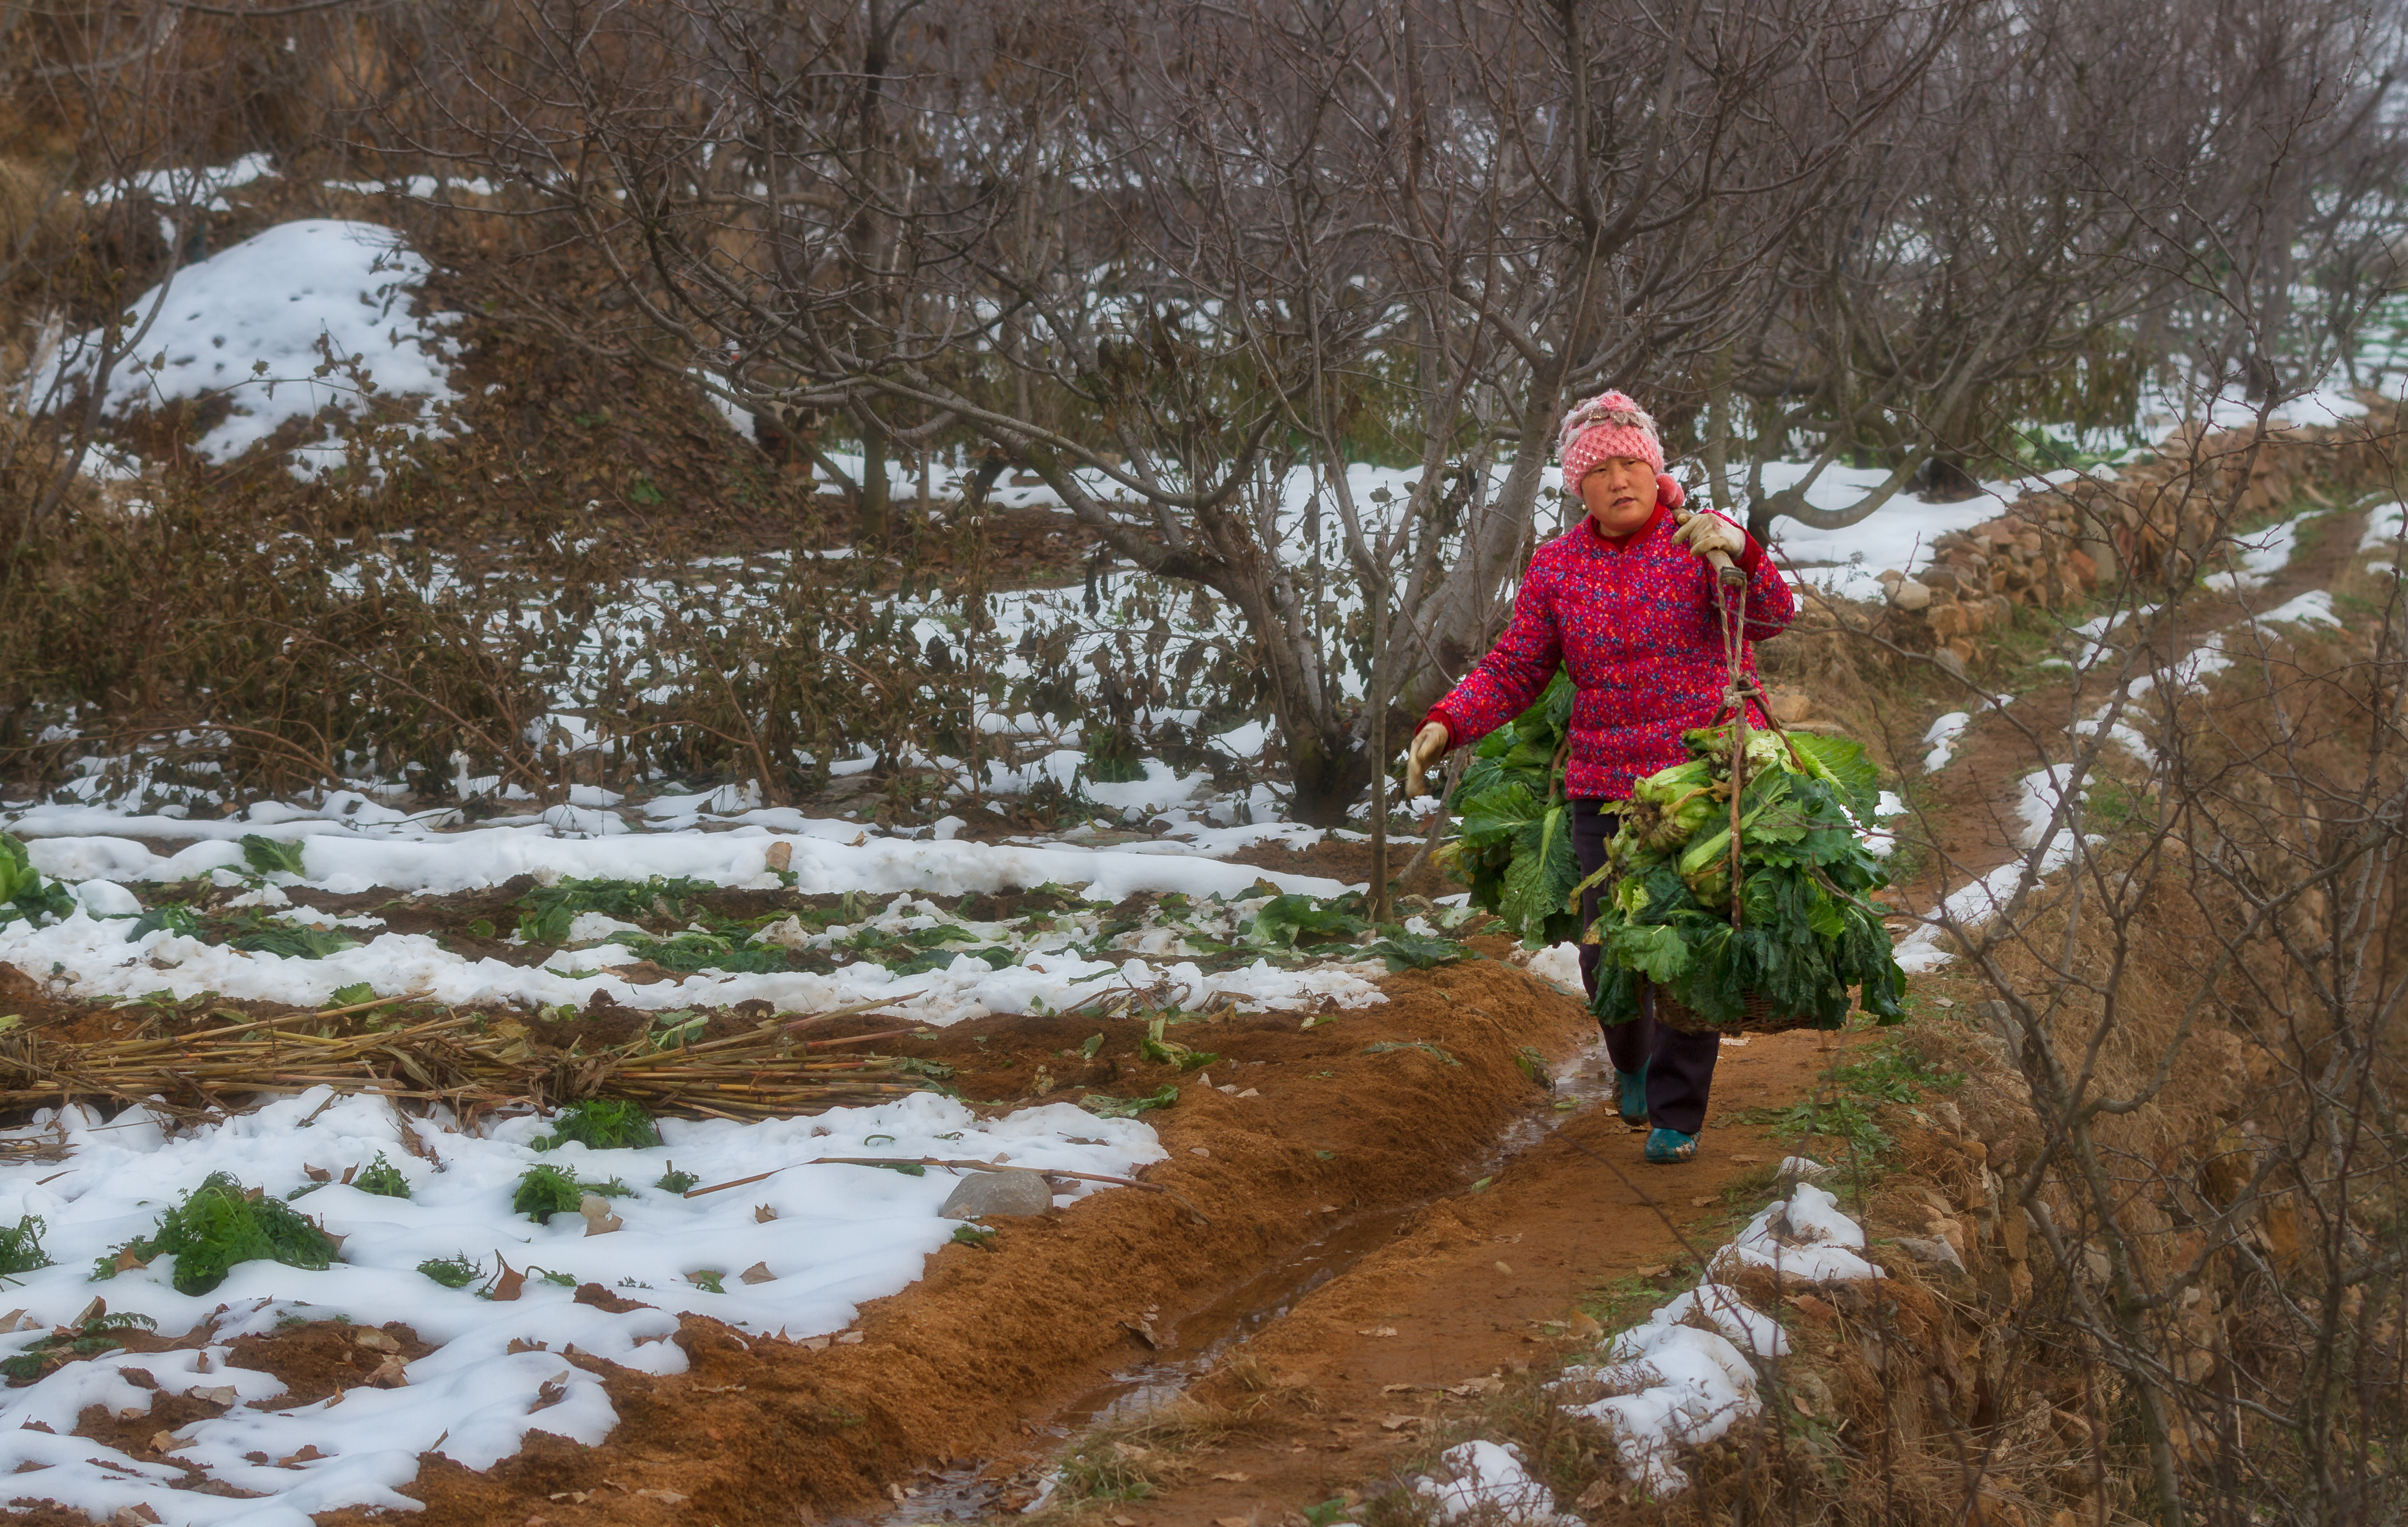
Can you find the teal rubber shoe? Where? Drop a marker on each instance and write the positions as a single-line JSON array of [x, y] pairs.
[[1633, 1102], [1670, 1147]]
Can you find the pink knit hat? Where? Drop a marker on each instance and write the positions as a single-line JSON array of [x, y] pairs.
[[1608, 424]]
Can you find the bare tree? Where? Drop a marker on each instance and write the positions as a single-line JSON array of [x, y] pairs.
[[1149, 252]]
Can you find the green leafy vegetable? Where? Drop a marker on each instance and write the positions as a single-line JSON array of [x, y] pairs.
[[353, 995], [382, 1178], [674, 1181], [20, 1246], [24, 892], [1515, 848], [271, 856], [602, 1124], [457, 1271], [550, 909], [1285, 920], [546, 1190], [1096, 1102], [176, 917], [89, 1338], [1809, 936], [1404, 951], [1169, 1052], [220, 1223]]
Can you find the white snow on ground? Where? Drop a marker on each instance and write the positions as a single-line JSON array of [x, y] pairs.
[[267, 302], [1689, 1373], [840, 1235], [1970, 906], [1488, 1482], [2384, 525], [1899, 534], [91, 953], [204, 187], [1942, 739], [2260, 555], [2314, 608]]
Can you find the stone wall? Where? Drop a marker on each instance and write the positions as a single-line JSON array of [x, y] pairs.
[[2157, 519]]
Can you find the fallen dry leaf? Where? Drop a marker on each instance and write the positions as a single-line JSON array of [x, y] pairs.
[[308, 1452], [506, 1287], [1701, 1202], [162, 1442], [1377, 1331], [519, 1344], [1398, 1423], [758, 1273], [1197, 1150], [1502, 1268], [216, 1395], [377, 1341], [550, 1393], [666, 1497], [1398, 1389], [1232, 1479], [392, 1373], [763, 1214], [1658, 1272], [1584, 1325]]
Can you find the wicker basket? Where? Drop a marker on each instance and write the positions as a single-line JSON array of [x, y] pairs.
[[1760, 1017]]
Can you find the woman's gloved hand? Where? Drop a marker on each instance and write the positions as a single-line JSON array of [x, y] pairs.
[[1706, 533], [1427, 746]]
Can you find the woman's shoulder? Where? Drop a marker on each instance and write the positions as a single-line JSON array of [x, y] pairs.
[[1564, 550]]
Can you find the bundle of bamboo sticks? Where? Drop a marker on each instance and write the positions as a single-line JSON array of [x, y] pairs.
[[460, 1059]]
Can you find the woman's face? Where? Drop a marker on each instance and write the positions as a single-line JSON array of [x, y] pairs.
[[1620, 492]]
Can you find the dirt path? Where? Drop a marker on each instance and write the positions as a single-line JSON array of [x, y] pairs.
[[1966, 809], [1477, 1286]]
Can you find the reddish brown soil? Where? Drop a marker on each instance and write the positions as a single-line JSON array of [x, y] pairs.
[[1467, 1289], [1349, 862]]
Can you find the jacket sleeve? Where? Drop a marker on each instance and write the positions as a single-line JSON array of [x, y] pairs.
[[1770, 603], [1504, 683]]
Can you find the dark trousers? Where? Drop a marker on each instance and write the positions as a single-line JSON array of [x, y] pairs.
[[1679, 1067]]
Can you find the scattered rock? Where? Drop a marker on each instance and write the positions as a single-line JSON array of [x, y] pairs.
[[1911, 594], [984, 1195], [1932, 1251]]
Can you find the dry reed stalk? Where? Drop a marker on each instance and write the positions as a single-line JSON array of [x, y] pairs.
[[445, 1059]]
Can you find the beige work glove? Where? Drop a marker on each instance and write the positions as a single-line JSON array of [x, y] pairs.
[[1427, 746], [1707, 533]]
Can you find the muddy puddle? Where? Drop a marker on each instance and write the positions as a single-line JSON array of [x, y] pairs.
[[1189, 1345]]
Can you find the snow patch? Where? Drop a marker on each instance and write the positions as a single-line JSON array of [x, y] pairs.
[[247, 325]]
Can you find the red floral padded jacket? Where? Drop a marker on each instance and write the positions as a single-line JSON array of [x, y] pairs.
[[1637, 625]]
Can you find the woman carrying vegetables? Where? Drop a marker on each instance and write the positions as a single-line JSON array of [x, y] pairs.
[[1624, 603]]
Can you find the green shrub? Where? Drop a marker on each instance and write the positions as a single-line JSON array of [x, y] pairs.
[[220, 1223]]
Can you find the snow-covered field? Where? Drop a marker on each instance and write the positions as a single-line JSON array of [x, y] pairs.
[[798, 1253], [104, 950]]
